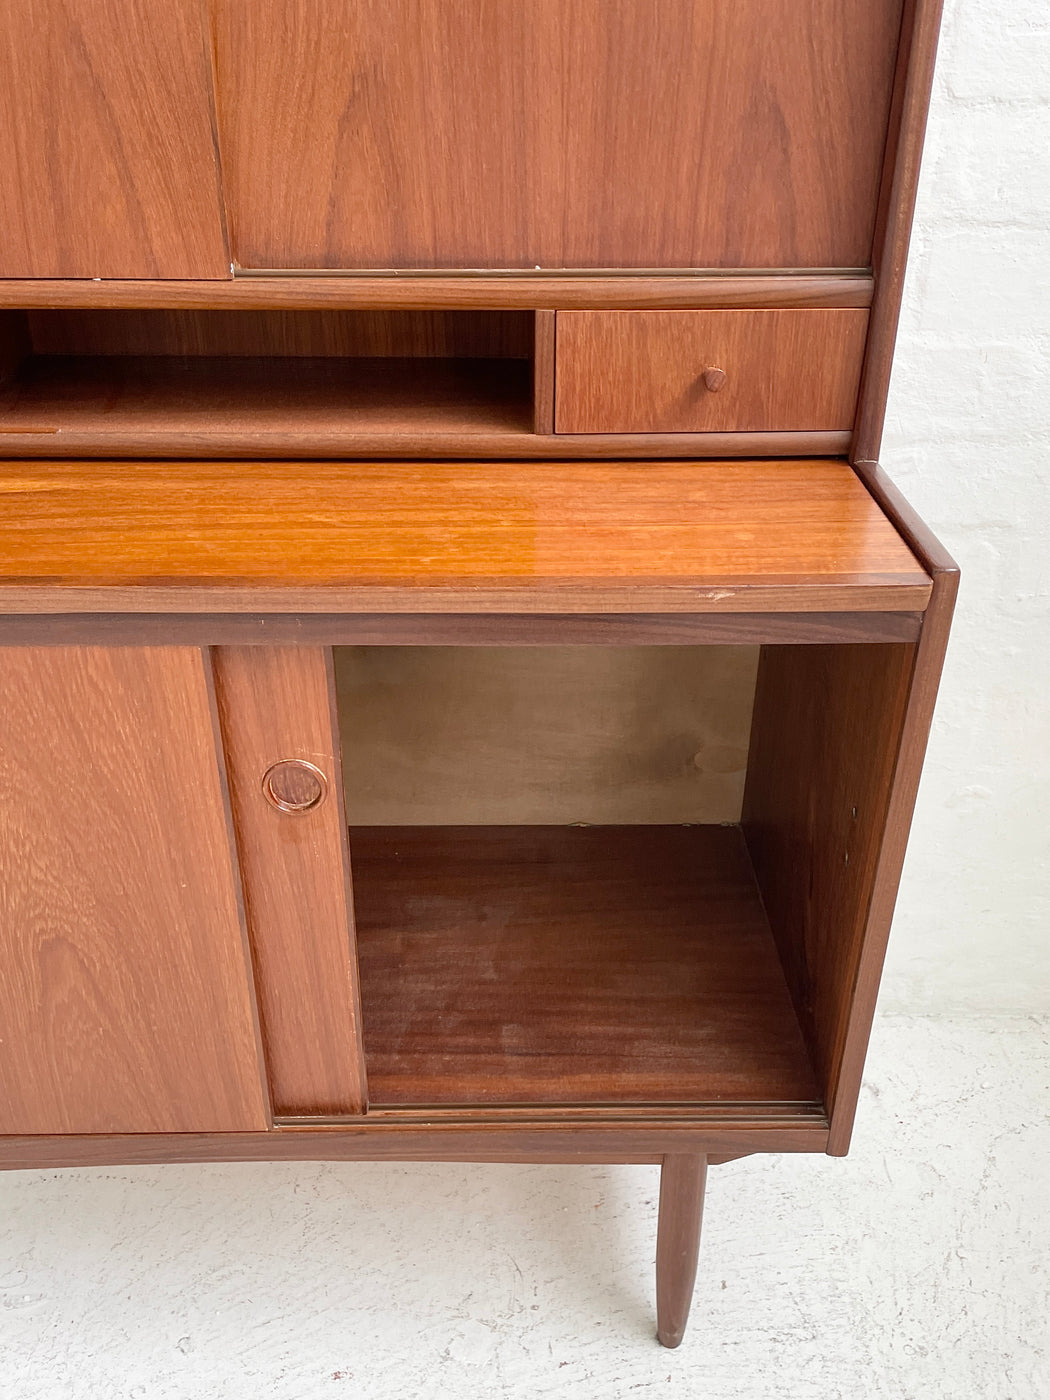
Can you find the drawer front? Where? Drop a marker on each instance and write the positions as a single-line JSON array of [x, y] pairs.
[[708, 371]]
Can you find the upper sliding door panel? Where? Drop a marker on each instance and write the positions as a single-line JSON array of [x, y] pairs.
[[557, 133], [108, 164]]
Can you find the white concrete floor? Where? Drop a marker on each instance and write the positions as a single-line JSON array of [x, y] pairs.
[[916, 1269]]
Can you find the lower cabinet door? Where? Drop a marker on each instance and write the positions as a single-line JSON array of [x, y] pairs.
[[281, 738], [126, 1000]]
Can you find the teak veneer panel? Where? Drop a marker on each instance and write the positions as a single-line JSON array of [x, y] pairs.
[[770, 536], [907, 128], [561, 965], [837, 745], [455, 629], [335, 332], [678, 134], [277, 703], [383, 1138], [826, 729], [109, 164], [125, 995], [643, 371]]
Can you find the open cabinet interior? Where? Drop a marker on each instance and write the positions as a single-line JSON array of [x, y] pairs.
[[140, 381], [577, 869]]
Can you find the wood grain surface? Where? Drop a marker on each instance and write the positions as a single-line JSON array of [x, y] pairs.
[[302, 407], [106, 124], [827, 725], [419, 134], [683, 1179], [454, 629], [543, 371], [644, 371], [449, 291], [561, 965], [907, 770], [126, 996], [371, 334], [277, 703], [837, 747], [476, 1138], [118, 403], [428, 537], [920, 30]]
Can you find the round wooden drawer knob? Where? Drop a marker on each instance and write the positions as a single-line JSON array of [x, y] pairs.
[[293, 785], [714, 378]]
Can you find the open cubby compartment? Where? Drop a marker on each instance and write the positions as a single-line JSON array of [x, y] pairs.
[[272, 383], [605, 876]]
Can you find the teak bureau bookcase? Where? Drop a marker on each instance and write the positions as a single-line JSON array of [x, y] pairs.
[[464, 675]]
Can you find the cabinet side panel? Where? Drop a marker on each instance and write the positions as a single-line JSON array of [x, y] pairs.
[[276, 704], [125, 995], [109, 162], [544, 361], [826, 729], [423, 134], [900, 182]]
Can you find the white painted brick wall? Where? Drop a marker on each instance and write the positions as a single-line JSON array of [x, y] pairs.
[[968, 441]]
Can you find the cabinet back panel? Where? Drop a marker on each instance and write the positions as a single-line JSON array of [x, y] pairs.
[[371, 334], [480, 134], [460, 736], [14, 342], [109, 166], [125, 999]]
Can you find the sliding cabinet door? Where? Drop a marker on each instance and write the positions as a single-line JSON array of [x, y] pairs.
[[553, 133], [126, 1000], [108, 166]]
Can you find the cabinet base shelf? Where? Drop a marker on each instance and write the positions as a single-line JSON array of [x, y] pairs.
[[557, 966]]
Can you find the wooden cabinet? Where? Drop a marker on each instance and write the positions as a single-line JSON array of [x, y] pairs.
[[126, 1000], [465, 676]]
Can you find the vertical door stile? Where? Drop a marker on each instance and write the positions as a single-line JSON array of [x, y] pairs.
[[280, 732]]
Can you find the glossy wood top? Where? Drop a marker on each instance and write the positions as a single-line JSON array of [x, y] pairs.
[[767, 536]]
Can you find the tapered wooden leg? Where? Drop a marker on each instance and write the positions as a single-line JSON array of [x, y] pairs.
[[682, 1180]]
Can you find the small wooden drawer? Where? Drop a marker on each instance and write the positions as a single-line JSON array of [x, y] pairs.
[[708, 371]]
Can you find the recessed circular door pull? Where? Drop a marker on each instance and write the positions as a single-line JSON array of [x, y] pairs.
[[714, 378], [293, 785]]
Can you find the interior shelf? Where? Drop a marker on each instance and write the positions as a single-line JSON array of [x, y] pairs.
[[121, 402], [273, 383], [570, 966]]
